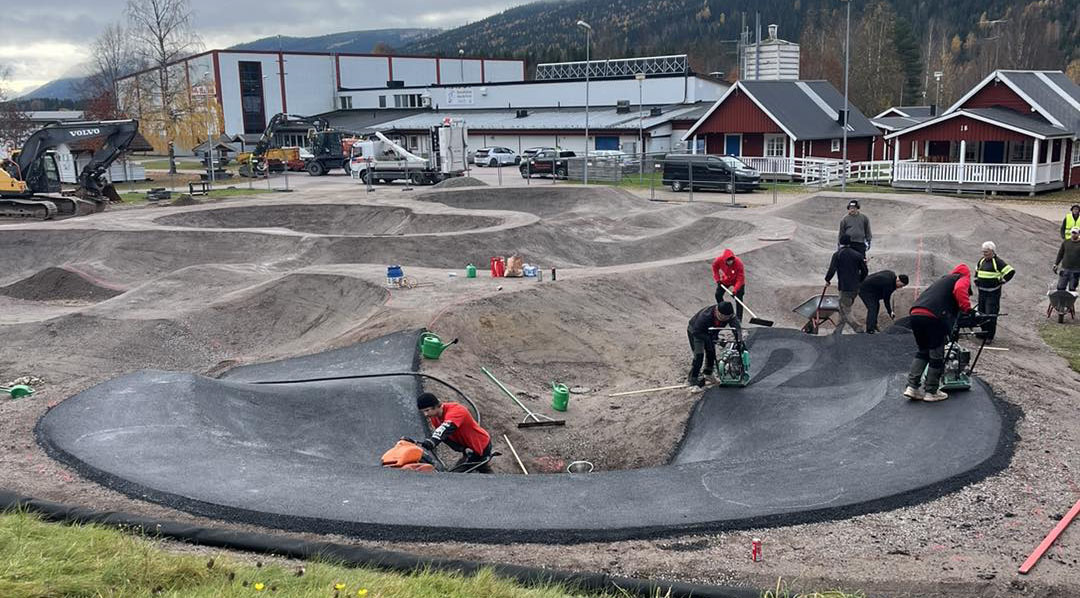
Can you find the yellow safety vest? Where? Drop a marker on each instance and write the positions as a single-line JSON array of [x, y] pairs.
[[1070, 222], [995, 274]]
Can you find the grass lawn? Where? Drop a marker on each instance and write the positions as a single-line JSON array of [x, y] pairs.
[[140, 196], [1065, 340], [164, 164], [40, 559]]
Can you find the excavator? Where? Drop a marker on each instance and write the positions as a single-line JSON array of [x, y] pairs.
[[30, 179], [325, 144]]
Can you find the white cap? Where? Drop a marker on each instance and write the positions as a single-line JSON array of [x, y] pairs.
[[990, 245]]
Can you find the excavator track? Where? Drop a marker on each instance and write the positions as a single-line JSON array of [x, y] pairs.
[[39, 209]]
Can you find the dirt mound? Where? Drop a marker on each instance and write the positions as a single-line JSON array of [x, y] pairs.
[[541, 200], [329, 219], [60, 284], [185, 200], [461, 181]]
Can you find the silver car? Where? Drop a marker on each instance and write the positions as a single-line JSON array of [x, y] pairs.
[[495, 156]]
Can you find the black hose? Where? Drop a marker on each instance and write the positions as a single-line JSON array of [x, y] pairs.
[[472, 405], [359, 556]]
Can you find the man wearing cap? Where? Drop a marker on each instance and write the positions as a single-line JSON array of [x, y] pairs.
[[1071, 221], [876, 289], [1067, 262], [855, 226], [453, 425], [990, 274], [849, 266], [703, 339]]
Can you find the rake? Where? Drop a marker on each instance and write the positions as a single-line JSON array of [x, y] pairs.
[[532, 420]]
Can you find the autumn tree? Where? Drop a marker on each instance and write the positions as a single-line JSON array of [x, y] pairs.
[[161, 34], [113, 57], [15, 125]]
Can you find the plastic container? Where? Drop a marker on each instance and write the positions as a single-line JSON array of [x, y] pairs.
[[579, 467], [560, 397], [470, 271], [498, 267], [394, 274], [529, 271]]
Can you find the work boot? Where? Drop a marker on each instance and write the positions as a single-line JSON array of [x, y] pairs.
[[915, 394], [933, 397], [693, 380]]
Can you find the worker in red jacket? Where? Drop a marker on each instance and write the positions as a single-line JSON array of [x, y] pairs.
[[727, 271], [454, 426], [932, 319]]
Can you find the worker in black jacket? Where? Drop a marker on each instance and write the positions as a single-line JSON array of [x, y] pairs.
[[990, 274], [932, 319], [703, 340], [876, 289], [849, 266]]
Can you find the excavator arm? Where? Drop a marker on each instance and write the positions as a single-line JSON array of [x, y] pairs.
[[252, 164]]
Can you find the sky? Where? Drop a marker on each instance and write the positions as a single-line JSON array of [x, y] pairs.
[[48, 39]]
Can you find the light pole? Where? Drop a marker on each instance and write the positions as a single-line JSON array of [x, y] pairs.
[[461, 64], [641, 123], [209, 117], [937, 94], [588, 42], [847, 45]]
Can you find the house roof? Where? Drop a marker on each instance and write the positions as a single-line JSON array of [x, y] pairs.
[[600, 118], [896, 123], [909, 111], [804, 109], [1002, 117], [1051, 93]]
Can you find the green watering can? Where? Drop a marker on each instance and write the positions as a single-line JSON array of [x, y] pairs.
[[431, 346], [18, 391], [560, 396]]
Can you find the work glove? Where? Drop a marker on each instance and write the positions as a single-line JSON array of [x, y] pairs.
[[427, 444], [892, 316], [1055, 269]]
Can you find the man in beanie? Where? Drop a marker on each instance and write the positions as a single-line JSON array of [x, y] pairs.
[[1071, 221], [703, 340], [453, 425], [877, 289], [991, 273], [849, 266], [856, 227]]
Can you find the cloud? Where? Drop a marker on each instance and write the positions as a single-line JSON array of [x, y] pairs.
[[46, 38]]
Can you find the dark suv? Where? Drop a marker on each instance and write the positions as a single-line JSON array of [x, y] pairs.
[[546, 161], [681, 171]]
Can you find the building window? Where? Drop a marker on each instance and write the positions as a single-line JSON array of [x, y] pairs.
[[1076, 152], [382, 101], [407, 100], [346, 102], [835, 145], [251, 97], [1021, 151], [1055, 151], [775, 146]]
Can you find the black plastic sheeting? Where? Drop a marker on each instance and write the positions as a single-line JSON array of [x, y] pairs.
[[362, 557]]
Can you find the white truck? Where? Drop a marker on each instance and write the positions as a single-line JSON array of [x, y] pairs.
[[379, 159]]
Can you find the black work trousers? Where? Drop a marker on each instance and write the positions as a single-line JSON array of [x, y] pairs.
[[930, 335], [720, 294], [990, 303], [704, 350], [873, 307]]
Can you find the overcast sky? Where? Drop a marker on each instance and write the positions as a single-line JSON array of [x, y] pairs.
[[46, 39]]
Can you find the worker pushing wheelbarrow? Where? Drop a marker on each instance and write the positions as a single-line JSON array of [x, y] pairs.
[[818, 310]]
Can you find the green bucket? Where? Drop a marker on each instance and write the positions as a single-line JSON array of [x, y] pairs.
[[560, 397], [470, 271]]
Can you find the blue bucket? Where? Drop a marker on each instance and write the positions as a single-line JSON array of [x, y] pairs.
[[393, 274]]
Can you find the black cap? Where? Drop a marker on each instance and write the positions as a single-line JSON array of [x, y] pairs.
[[725, 308], [903, 278], [1075, 206], [426, 401], [853, 204]]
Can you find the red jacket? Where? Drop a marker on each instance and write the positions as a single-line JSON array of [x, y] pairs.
[[458, 426], [732, 277]]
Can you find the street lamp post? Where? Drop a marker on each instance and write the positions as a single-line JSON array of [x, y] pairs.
[[461, 65], [641, 123], [209, 117], [847, 109], [588, 42]]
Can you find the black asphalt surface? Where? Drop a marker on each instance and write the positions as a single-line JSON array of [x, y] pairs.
[[821, 432]]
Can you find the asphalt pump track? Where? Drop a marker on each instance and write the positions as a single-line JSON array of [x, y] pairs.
[[821, 432]]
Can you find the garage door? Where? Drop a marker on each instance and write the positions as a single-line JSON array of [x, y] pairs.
[[607, 143]]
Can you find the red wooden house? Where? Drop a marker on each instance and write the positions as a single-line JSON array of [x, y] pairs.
[[1016, 131], [780, 126]]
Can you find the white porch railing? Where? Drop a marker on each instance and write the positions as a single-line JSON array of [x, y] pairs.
[[769, 165], [994, 174]]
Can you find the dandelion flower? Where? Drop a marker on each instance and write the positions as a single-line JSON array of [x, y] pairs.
[[362, 592], [259, 586], [339, 586]]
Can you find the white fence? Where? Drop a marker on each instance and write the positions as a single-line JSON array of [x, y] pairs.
[[993, 174]]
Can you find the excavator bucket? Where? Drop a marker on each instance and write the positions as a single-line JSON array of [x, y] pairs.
[[110, 192]]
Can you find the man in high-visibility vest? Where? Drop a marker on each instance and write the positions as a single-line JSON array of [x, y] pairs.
[[990, 274], [1071, 221]]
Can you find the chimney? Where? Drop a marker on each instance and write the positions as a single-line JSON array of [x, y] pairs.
[[933, 109], [772, 31], [655, 111], [840, 117], [522, 113], [622, 107]]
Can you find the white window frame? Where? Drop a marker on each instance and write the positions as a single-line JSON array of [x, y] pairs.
[[835, 146], [1026, 152], [1076, 151], [770, 150]]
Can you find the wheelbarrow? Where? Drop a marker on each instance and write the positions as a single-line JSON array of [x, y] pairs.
[[818, 310], [1061, 302]]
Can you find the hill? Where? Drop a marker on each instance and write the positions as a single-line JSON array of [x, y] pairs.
[[347, 41], [67, 88]]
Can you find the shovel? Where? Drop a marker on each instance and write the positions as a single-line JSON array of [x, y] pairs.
[[753, 317]]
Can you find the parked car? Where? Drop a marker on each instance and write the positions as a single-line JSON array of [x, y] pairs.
[[709, 172], [548, 161], [494, 156], [529, 152]]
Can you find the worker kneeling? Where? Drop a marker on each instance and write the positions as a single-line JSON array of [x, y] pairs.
[[933, 317], [703, 341], [454, 426]]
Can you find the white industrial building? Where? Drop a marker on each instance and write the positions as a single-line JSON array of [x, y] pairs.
[[771, 59]]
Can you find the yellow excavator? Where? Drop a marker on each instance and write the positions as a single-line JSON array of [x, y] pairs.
[[30, 180]]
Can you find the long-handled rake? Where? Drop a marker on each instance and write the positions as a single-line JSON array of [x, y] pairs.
[[532, 420]]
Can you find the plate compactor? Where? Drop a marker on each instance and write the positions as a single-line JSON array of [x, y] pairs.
[[732, 359], [410, 455], [958, 362]]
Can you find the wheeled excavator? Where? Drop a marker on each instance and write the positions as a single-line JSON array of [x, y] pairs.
[[324, 142], [30, 180]]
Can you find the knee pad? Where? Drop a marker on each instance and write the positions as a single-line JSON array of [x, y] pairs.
[[937, 364]]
